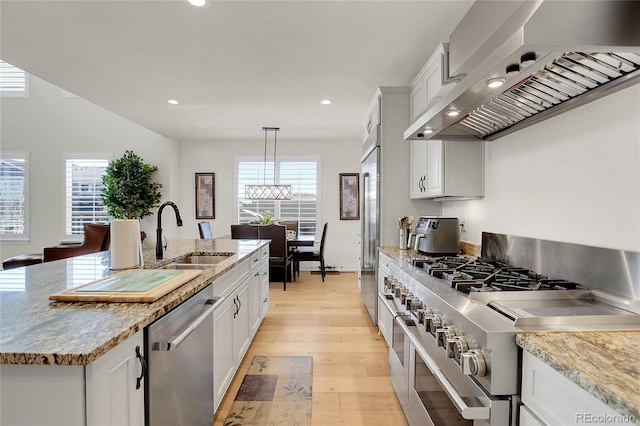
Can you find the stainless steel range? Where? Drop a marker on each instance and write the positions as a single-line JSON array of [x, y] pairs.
[[453, 355]]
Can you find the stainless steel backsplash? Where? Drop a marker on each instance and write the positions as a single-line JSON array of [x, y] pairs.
[[612, 271]]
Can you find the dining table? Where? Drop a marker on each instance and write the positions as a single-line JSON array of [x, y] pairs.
[[301, 241]]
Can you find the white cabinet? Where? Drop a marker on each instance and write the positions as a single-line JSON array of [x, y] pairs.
[[371, 120], [446, 169], [115, 385], [105, 392], [231, 338], [385, 317], [259, 288], [549, 398], [429, 85]]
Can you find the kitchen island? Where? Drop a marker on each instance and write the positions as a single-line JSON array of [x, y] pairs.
[[60, 341]]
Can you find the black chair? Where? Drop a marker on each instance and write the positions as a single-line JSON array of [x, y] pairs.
[[279, 256], [205, 231], [244, 231], [312, 256]]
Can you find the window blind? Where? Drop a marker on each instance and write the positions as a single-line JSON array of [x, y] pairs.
[[83, 189], [14, 82], [301, 174], [13, 196]]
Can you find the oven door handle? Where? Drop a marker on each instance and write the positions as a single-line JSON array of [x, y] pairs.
[[468, 412], [475, 412]]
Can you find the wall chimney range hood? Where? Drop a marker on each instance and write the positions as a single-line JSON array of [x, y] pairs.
[[550, 56]]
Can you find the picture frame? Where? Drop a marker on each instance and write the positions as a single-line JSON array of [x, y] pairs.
[[349, 196], [205, 195]]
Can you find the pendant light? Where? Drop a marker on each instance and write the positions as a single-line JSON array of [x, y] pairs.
[[273, 191]]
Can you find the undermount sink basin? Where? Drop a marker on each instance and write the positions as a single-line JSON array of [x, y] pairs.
[[198, 261]]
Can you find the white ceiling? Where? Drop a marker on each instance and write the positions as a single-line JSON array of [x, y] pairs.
[[235, 66]]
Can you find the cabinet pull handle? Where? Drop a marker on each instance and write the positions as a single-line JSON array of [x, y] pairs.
[[239, 303], [143, 364], [235, 314]]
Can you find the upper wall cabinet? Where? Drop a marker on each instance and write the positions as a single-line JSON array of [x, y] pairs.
[[429, 85], [446, 169], [372, 119]]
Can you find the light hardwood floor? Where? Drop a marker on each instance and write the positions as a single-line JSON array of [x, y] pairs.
[[328, 321]]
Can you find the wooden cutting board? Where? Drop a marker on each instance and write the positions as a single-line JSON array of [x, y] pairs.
[[133, 285]]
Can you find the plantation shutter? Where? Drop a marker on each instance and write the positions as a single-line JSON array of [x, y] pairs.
[[302, 173], [14, 82], [83, 189], [13, 196]]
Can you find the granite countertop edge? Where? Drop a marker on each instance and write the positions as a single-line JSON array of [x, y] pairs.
[[615, 385], [149, 312]]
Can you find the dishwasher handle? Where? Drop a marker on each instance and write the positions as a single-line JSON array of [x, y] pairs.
[[174, 342]]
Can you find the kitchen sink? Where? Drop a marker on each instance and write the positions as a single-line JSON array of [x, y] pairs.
[[193, 261]]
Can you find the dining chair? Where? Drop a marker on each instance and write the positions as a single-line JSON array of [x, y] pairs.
[[205, 231], [292, 225], [279, 255], [244, 231], [312, 256], [96, 238]]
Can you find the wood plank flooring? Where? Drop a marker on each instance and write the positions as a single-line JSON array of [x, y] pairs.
[[328, 321]]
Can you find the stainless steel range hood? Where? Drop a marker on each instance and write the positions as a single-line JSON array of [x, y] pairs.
[[551, 55]]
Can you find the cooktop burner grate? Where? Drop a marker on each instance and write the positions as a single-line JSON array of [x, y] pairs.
[[484, 274]]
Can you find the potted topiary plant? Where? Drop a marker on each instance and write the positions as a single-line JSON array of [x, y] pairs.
[[129, 193]]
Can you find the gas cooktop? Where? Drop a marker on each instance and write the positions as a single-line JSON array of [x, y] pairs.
[[486, 275]]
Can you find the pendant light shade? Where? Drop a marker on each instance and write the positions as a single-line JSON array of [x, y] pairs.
[[264, 191]]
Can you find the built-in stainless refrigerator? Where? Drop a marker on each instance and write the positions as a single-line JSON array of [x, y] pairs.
[[370, 226]]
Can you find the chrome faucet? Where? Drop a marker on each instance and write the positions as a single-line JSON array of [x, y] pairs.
[[159, 248]]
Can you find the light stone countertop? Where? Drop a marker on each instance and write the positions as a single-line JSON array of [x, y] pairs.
[[605, 363], [36, 330]]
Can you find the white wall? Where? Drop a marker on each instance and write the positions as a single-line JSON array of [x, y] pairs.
[[47, 125], [337, 156], [573, 178]]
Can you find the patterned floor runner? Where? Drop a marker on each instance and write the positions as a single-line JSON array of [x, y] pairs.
[[276, 391]]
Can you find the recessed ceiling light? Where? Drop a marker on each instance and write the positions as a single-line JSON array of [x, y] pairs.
[[495, 82], [453, 112], [198, 3], [326, 102], [173, 102]]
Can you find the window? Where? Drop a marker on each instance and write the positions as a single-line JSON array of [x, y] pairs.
[[302, 173], [14, 83], [14, 200], [83, 189]]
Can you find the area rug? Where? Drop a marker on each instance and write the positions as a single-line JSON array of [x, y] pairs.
[[276, 391]]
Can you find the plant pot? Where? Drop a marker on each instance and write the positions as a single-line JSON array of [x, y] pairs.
[[126, 246]]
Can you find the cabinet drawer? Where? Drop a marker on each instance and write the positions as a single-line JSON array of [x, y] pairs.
[[223, 285]]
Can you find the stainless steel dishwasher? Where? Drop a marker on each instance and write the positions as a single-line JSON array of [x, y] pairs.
[[180, 357]]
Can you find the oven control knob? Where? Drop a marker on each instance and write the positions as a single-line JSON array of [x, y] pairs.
[[444, 334], [472, 363], [426, 318], [435, 323], [456, 346]]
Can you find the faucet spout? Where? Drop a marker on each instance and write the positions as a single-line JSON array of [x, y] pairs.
[[159, 249]]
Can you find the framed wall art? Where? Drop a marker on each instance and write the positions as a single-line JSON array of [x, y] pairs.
[[205, 196], [349, 196]]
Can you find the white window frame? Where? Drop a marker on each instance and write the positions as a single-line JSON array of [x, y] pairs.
[[68, 211], [269, 179], [24, 237], [4, 93]]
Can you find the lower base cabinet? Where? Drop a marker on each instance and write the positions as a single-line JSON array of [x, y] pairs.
[[551, 399], [105, 392]]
